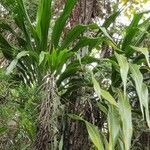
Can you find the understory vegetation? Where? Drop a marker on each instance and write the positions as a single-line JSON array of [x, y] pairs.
[[70, 84]]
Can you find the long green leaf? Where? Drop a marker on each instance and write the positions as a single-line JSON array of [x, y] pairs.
[[130, 33], [145, 98], [144, 51], [138, 79], [94, 135], [86, 41], [111, 19], [28, 22], [6, 48], [126, 119], [7, 27], [61, 21], [43, 21], [108, 21], [104, 31], [92, 131], [100, 92], [114, 126], [72, 35], [124, 68], [13, 64]]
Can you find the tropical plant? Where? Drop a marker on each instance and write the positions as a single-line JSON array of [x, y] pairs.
[[128, 62], [54, 67], [39, 58]]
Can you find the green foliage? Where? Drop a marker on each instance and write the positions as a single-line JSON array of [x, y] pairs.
[[118, 110], [18, 113], [118, 86], [92, 131]]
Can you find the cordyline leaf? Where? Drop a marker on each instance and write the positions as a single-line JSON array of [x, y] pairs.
[[74, 67], [24, 11], [92, 131], [41, 57], [54, 60], [72, 35], [126, 119], [144, 29], [21, 54], [61, 21], [87, 41], [111, 19], [61, 143], [106, 95], [96, 87], [124, 68], [100, 92], [21, 18], [43, 21], [104, 31], [11, 67], [144, 51], [62, 57], [94, 135], [69, 72], [108, 21], [114, 126], [24, 14], [102, 108], [13, 64], [4, 43], [145, 99], [138, 79], [76, 117], [6, 48], [130, 33]]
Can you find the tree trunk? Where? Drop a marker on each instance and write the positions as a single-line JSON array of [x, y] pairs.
[[48, 127]]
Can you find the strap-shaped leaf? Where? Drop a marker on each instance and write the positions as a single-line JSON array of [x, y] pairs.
[[86, 41], [100, 92], [131, 32], [43, 21], [142, 91], [30, 26], [6, 48], [126, 119], [114, 126], [61, 21], [62, 57], [144, 51], [7, 27], [72, 35], [94, 135], [13, 64], [92, 131], [75, 67], [111, 19], [69, 72], [145, 98], [138, 79], [106, 34], [124, 68]]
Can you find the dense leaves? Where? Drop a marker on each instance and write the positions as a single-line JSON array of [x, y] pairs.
[[85, 74]]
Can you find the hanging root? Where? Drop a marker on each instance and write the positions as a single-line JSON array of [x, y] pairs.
[[47, 132]]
